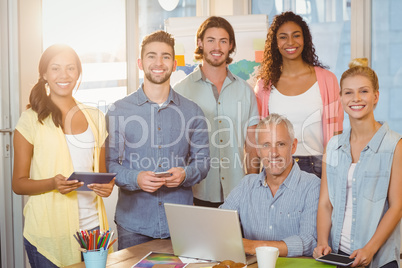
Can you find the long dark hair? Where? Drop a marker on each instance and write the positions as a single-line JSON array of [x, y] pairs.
[[271, 66], [39, 101], [214, 22]]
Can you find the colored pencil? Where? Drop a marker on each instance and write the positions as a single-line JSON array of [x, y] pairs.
[[94, 240], [112, 243]]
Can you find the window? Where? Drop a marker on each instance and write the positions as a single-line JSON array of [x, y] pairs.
[[329, 23], [151, 17], [96, 30], [386, 60]]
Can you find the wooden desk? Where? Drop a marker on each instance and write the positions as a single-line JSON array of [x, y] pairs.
[[128, 257]]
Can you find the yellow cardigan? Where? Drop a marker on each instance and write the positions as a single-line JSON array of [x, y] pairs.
[[52, 218]]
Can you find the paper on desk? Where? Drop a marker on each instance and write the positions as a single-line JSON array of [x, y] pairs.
[[301, 263], [191, 260], [166, 260]]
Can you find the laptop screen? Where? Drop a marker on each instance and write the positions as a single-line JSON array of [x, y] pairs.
[[205, 233]]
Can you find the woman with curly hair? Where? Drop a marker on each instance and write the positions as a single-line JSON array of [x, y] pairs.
[[293, 82]]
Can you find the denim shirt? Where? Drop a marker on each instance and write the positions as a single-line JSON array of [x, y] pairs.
[[289, 216], [144, 136], [370, 184]]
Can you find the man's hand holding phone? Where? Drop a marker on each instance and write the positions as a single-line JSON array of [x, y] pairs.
[[151, 181], [162, 174], [177, 177], [148, 182]]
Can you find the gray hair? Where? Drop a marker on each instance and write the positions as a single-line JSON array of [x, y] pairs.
[[275, 119]]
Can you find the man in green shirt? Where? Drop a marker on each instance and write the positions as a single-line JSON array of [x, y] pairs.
[[230, 106]]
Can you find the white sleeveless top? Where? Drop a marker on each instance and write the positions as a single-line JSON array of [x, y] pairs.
[[304, 111], [81, 147], [346, 232]]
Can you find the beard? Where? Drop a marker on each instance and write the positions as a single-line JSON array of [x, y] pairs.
[[157, 80], [214, 62]]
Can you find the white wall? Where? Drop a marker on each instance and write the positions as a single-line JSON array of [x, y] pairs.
[[30, 48], [223, 7]]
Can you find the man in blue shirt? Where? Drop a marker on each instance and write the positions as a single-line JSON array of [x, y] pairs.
[[154, 130], [277, 207]]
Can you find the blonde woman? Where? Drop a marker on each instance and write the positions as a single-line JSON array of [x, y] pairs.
[[360, 204]]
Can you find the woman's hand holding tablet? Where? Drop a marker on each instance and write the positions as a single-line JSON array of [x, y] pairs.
[[91, 178]]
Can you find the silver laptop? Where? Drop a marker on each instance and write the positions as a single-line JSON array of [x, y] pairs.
[[206, 233]]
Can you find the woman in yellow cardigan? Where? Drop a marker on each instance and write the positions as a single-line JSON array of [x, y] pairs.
[[55, 136]]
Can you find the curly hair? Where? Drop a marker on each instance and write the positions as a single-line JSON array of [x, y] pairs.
[[214, 22], [271, 66]]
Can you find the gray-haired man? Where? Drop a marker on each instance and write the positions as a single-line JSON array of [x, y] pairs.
[[277, 207]]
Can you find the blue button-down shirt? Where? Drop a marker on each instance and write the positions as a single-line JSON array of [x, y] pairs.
[[289, 216], [144, 136], [370, 183]]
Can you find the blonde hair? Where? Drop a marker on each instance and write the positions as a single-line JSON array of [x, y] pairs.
[[359, 66], [363, 62]]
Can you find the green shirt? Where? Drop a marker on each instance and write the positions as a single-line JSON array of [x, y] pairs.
[[229, 114]]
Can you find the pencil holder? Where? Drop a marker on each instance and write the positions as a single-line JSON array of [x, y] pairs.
[[95, 258]]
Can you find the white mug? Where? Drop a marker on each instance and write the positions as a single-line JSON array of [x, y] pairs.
[[267, 256]]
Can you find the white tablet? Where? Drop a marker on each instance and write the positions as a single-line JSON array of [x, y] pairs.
[[336, 259], [91, 177]]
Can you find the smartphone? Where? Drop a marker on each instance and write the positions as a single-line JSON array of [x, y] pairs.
[[336, 259], [162, 174]]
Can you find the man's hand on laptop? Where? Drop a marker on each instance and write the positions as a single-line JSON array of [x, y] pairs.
[[148, 182], [178, 176], [249, 246]]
